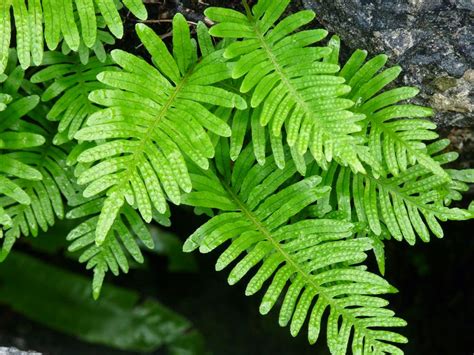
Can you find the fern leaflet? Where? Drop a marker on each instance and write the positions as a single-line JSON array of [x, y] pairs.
[[405, 205], [396, 132], [70, 82], [77, 22], [121, 240]]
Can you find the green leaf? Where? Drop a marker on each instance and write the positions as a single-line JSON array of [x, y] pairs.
[[406, 205], [80, 23], [53, 297], [35, 180], [127, 233], [20, 140], [396, 133]]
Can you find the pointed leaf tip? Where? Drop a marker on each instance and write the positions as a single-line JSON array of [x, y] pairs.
[[140, 27], [189, 245], [100, 76]]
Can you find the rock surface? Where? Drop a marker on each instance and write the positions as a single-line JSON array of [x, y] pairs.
[[14, 351]]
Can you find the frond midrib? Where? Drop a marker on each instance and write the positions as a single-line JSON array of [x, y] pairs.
[[287, 82], [292, 90], [44, 153], [146, 136], [393, 135], [395, 189], [289, 260]]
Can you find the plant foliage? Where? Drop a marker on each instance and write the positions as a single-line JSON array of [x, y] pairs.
[[77, 22], [405, 205], [141, 157], [291, 82], [304, 164], [69, 83], [317, 258], [121, 242], [34, 178], [119, 319]]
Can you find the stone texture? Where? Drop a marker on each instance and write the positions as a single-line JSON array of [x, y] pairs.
[[14, 351], [430, 39]]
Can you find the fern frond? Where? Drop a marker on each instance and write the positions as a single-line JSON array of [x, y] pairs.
[[43, 196], [396, 132], [16, 137], [70, 82], [245, 123], [405, 205], [290, 83], [35, 174], [119, 245], [314, 263], [5, 99], [77, 22], [154, 116], [11, 143]]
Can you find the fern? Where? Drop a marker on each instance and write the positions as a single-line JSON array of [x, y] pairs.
[[404, 206], [302, 164], [75, 21], [315, 257], [33, 173], [121, 240], [396, 133], [290, 84], [154, 115], [16, 136], [70, 82], [5, 99]]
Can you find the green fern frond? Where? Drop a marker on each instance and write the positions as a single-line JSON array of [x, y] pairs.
[[70, 82], [405, 205], [5, 99], [290, 82], [314, 263], [34, 174], [396, 133], [44, 195], [121, 242], [16, 137], [12, 142], [77, 22], [246, 124], [154, 116]]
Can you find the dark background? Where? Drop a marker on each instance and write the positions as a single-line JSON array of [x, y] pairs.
[[435, 281]]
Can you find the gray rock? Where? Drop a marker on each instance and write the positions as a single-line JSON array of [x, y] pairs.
[[14, 351]]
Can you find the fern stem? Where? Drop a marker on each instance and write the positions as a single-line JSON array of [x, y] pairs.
[[284, 78], [247, 9], [138, 152]]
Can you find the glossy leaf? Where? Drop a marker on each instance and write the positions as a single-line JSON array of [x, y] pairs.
[[59, 299]]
